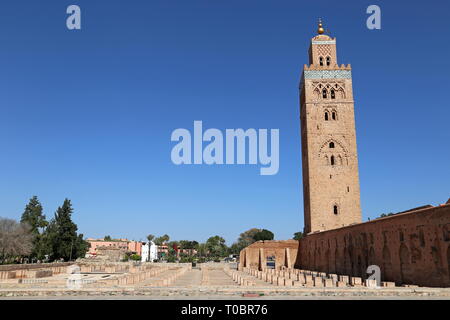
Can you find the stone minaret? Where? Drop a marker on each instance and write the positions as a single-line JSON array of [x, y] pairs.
[[329, 156]]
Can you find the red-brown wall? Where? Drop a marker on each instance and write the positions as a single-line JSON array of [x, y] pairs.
[[410, 248], [255, 255]]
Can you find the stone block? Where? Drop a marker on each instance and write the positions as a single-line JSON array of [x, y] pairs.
[[333, 276], [328, 283], [288, 282], [356, 281], [345, 279], [297, 283], [309, 280], [371, 283], [318, 282], [280, 281], [388, 284]]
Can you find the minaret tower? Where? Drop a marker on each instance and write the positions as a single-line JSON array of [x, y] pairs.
[[329, 156]]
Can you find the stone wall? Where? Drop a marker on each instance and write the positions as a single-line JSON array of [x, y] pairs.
[[38, 270], [13, 267], [255, 256], [410, 248]]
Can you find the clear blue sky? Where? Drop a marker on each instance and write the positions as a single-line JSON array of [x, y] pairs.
[[88, 114]]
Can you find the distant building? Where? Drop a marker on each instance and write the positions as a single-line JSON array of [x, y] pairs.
[[149, 251], [163, 250], [123, 245], [110, 253]]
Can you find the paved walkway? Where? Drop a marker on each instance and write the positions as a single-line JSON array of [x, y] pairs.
[[204, 277], [191, 278]]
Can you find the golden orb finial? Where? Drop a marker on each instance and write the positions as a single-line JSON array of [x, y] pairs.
[[320, 30]]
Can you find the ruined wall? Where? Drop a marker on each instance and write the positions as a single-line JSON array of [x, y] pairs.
[[38, 270], [14, 267], [255, 256], [410, 248]]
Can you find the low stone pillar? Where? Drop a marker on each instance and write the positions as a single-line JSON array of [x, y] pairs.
[[371, 283], [280, 281], [318, 282], [333, 276], [328, 283], [345, 279], [356, 281], [388, 284], [309, 281], [301, 278]]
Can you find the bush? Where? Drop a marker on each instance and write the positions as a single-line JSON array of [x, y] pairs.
[[185, 259], [135, 257]]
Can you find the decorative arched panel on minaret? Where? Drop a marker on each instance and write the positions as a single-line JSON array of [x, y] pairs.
[[329, 155]]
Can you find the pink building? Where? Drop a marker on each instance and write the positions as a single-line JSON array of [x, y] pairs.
[[135, 246], [123, 244]]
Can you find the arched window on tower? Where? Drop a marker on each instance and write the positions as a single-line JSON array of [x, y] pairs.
[[328, 61], [333, 115], [324, 93], [332, 161], [326, 115], [335, 209], [321, 61], [331, 144], [333, 95]]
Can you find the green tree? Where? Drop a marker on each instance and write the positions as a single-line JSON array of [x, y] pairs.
[[189, 245], [135, 257], [263, 235], [245, 239], [235, 248], [62, 235], [202, 249], [298, 235], [216, 246], [161, 240], [34, 217], [386, 215], [150, 237], [107, 238]]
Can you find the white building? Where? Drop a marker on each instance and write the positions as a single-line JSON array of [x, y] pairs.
[[149, 252], [145, 251]]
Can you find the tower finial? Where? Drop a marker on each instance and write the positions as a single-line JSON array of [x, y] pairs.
[[320, 30]]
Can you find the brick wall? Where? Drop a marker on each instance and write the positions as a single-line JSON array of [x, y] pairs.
[[410, 248], [255, 256]]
